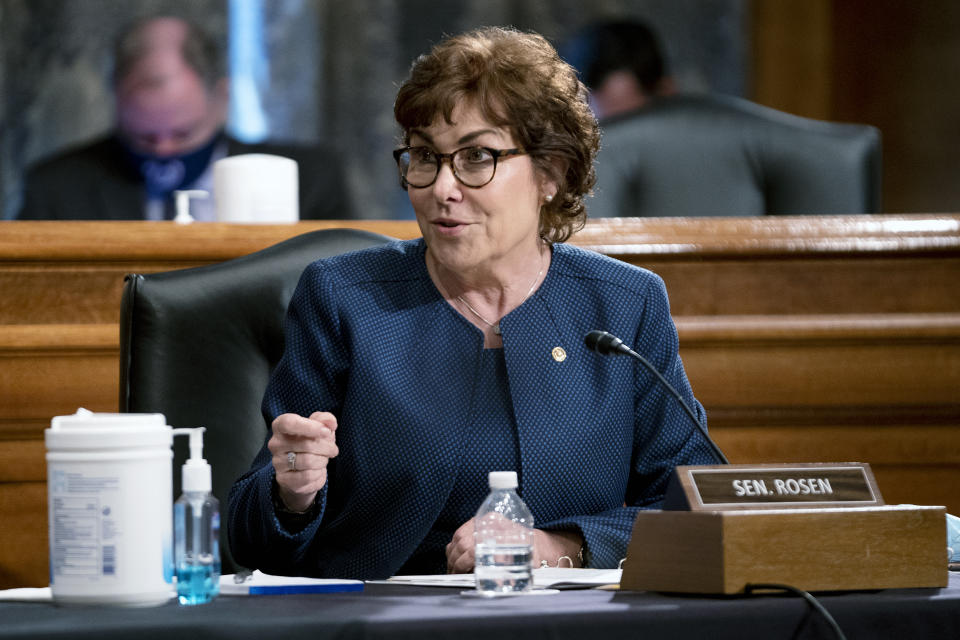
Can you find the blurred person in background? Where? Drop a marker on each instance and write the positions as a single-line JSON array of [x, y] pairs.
[[171, 97], [622, 64]]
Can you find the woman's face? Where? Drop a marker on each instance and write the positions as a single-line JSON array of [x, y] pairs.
[[481, 229]]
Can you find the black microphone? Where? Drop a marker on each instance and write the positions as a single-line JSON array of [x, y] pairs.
[[606, 343]]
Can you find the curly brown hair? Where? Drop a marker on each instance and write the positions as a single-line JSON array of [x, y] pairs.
[[519, 82]]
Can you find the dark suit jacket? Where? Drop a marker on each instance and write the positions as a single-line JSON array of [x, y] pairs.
[[370, 339], [94, 182]]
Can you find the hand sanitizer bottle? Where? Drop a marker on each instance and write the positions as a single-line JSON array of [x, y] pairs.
[[196, 528]]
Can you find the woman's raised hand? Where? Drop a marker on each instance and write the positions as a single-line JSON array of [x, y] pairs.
[[301, 448]]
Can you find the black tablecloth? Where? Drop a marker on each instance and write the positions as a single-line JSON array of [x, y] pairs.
[[396, 612]]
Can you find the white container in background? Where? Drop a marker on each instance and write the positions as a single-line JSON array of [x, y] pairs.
[[109, 484], [256, 187]]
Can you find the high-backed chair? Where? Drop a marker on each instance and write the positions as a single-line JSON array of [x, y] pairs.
[[710, 155], [198, 345]]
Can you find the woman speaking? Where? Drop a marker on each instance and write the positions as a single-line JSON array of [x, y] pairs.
[[413, 369]]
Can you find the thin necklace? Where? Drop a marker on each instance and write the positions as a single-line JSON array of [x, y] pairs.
[[496, 327]]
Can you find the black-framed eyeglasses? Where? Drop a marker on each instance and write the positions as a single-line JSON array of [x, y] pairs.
[[472, 166]]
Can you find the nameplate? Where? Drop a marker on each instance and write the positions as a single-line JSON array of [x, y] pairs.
[[773, 486]]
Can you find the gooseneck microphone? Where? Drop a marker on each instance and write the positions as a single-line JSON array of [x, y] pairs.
[[606, 343]]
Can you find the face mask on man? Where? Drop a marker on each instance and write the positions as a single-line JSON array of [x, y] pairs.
[[164, 174]]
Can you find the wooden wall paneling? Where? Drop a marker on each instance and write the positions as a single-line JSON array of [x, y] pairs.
[[810, 285], [878, 62], [832, 285], [24, 559], [89, 292], [48, 370], [919, 483], [51, 242], [823, 361], [23, 513], [890, 62], [792, 45], [878, 388]]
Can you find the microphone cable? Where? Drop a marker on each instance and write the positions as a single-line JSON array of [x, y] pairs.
[[816, 605]]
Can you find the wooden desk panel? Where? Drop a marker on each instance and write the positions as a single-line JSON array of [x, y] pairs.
[[48, 370], [24, 559], [712, 266], [56, 272], [783, 285], [879, 362]]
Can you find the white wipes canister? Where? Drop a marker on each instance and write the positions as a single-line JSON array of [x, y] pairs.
[[110, 508]]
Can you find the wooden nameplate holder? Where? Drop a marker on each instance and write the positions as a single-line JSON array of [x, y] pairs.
[[816, 527]]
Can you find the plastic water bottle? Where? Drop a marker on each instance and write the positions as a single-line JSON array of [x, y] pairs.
[[503, 535]]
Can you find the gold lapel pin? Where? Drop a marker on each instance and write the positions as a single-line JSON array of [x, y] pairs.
[[559, 354]]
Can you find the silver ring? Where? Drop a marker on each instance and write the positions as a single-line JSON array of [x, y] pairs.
[[292, 460]]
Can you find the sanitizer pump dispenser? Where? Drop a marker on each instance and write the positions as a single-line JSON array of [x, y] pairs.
[[196, 528]]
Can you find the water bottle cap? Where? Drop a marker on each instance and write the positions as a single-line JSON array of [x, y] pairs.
[[503, 479]]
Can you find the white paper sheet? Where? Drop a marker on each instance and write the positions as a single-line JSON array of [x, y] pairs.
[[259, 583], [542, 579]]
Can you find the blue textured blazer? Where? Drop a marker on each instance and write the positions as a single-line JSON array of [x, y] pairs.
[[370, 339]]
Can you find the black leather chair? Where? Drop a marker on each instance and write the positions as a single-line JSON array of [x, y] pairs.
[[198, 345], [710, 155]]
